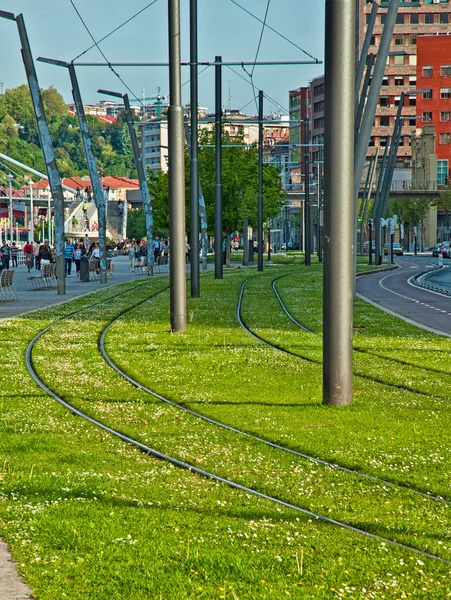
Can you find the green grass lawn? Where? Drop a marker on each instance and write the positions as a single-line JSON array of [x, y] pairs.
[[87, 516]]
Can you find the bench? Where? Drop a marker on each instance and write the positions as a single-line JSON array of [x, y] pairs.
[[45, 280], [7, 289], [161, 264]]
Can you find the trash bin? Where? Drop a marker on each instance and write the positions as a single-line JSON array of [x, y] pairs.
[[84, 269]]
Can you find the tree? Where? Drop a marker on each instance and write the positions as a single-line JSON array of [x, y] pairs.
[[444, 203]]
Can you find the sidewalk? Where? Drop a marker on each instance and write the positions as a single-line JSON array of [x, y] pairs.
[[32, 299]]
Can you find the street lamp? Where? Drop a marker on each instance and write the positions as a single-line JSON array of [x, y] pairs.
[[10, 177], [31, 230]]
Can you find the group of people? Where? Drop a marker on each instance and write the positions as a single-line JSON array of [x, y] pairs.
[[8, 255], [75, 251], [137, 251]]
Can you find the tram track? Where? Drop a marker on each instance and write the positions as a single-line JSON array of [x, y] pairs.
[[191, 467]]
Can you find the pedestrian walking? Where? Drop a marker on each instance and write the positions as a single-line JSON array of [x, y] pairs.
[[45, 254], [69, 255], [131, 255], [78, 253], [5, 252], [14, 254]]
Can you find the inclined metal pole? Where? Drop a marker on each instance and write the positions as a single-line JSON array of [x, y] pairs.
[[31, 230], [176, 151], [307, 212], [368, 196], [218, 157], [363, 139], [377, 201], [260, 182], [366, 46], [49, 155], [361, 105], [339, 222], [194, 156], [147, 203], [93, 171]]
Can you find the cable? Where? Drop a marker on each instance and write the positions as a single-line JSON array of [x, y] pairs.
[[261, 36], [253, 87], [105, 58], [114, 30], [275, 31]]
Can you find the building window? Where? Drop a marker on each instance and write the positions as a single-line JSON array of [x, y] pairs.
[[399, 39], [427, 95], [399, 80], [414, 19], [445, 70], [412, 59], [445, 138], [445, 93], [413, 39], [383, 19], [412, 80], [399, 59], [412, 100], [385, 81], [445, 115], [429, 19], [384, 121], [400, 19], [442, 172], [384, 101], [427, 71], [427, 116], [444, 18]]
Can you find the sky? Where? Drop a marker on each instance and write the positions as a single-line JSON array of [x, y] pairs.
[[56, 31]]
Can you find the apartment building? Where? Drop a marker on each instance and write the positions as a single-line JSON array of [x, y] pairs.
[[434, 105], [415, 19], [299, 106]]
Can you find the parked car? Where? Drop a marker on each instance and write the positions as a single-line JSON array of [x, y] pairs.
[[436, 250], [397, 249], [445, 249]]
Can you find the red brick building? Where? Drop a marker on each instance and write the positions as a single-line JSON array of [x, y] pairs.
[[434, 106]]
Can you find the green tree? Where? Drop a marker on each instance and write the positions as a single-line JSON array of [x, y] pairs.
[[444, 203], [136, 224]]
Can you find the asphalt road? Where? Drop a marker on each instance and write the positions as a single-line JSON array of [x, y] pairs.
[[393, 292]]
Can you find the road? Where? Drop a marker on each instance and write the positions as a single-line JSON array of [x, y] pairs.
[[393, 292]]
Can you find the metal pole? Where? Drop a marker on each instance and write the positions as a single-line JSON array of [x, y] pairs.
[[11, 211], [373, 95], [339, 221], [147, 203], [260, 182], [49, 222], [218, 157], [246, 243], [31, 230], [320, 215], [370, 250], [194, 159], [176, 145], [366, 46], [361, 105], [377, 197], [93, 171], [49, 155], [308, 224]]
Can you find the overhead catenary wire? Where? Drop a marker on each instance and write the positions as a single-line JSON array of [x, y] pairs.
[[115, 30], [275, 31], [96, 44]]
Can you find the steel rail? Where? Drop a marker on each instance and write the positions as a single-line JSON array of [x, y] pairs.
[[362, 350], [249, 435], [201, 472], [310, 360]]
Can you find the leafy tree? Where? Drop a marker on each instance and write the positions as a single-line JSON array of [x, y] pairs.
[[444, 203], [136, 224]]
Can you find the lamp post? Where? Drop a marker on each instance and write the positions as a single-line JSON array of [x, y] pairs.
[[31, 230], [370, 230], [10, 177]]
